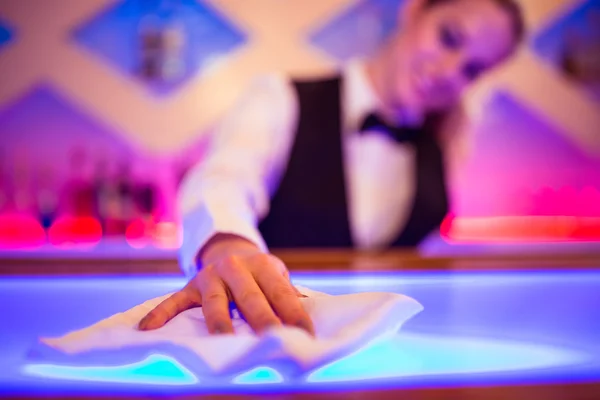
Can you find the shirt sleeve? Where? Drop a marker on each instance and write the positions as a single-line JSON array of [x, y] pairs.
[[229, 191]]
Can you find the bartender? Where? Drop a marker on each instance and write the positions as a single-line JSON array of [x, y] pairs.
[[353, 160]]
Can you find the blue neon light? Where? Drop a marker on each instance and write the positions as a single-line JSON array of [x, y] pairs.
[[154, 370], [401, 356], [491, 327], [411, 355], [259, 375]]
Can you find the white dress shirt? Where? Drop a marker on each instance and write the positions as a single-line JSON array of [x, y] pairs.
[[229, 191]]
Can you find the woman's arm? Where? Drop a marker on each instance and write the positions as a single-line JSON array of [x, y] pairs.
[[228, 192], [221, 201]]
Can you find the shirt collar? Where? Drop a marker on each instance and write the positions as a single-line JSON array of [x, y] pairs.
[[359, 97]]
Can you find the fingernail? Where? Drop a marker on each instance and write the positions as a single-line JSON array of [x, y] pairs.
[[268, 326], [304, 325], [298, 292], [219, 329], [142, 324]]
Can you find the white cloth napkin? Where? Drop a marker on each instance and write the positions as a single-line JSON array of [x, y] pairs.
[[343, 325]]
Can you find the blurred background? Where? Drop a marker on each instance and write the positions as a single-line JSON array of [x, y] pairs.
[[104, 105]]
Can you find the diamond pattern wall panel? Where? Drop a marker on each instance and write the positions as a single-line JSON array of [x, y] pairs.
[[572, 44], [5, 34], [197, 35], [551, 41], [546, 163], [358, 30], [543, 116], [41, 129]]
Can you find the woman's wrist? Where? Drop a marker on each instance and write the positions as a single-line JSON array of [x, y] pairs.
[[222, 245]]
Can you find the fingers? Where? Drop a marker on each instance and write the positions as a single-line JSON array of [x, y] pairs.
[[286, 275], [247, 294], [283, 297], [297, 291], [169, 308], [215, 303], [259, 285]]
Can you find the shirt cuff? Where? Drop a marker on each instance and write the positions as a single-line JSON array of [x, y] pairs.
[[200, 225]]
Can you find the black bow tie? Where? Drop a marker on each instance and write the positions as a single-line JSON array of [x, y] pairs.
[[400, 134]]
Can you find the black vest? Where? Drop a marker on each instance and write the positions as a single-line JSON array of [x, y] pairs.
[[309, 207]]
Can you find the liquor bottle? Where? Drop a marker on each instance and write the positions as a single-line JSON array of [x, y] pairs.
[[161, 44], [125, 198], [46, 197], [80, 199], [581, 54], [4, 191], [105, 196], [149, 48], [22, 196]]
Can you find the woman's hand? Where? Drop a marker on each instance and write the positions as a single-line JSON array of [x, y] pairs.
[[234, 269]]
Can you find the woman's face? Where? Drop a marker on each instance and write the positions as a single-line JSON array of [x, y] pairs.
[[440, 50]]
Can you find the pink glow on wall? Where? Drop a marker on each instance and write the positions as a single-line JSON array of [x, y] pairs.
[[522, 167]]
